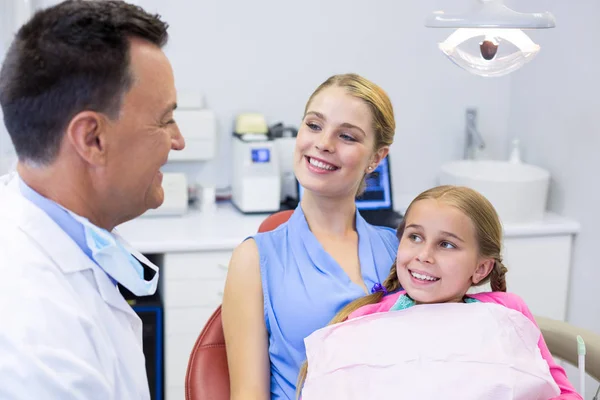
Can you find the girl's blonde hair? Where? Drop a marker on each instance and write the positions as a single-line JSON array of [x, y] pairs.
[[384, 123], [488, 232]]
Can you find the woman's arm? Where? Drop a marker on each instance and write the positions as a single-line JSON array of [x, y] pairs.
[[244, 326]]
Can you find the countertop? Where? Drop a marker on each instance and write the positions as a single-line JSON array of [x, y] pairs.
[[226, 227]]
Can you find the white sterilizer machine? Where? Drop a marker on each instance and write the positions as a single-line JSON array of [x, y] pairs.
[[256, 183]]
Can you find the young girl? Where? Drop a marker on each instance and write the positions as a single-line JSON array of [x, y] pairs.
[[450, 240]]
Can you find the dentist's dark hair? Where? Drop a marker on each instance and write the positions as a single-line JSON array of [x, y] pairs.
[[66, 59], [488, 232]]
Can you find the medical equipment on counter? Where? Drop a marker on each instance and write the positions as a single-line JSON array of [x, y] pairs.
[[207, 199], [199, 129], [175, 202], [285, 141], [256, 183]]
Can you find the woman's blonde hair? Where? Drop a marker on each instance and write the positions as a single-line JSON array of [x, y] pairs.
[[384, 123], [488, 232]]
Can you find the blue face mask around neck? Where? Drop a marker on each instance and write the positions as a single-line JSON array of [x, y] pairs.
[[116, 257]]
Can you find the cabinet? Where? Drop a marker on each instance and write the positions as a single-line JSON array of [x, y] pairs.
[[538, 271], [192, 287]]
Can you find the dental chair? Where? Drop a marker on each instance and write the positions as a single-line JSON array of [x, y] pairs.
[[561, 339], [207, 376]]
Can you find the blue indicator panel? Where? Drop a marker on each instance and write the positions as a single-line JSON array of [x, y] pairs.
[[261, 155]]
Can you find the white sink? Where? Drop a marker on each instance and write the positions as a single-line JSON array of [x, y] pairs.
[[519, 192]]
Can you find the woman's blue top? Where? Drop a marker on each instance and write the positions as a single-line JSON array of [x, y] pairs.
[[304, 287]]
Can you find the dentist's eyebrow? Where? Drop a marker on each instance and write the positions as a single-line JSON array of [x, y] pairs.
[[172, 107]]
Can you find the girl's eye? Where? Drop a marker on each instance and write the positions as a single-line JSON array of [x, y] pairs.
[[447, 245], [415, 238], [347, 137]]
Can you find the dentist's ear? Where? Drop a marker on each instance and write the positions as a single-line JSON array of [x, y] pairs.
[[86, 133], [483, 270]]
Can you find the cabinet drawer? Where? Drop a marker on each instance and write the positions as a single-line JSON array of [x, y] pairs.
[[187, 320], [198, 265], [177, 354], [175, 393], [538, 271], [193, 293]]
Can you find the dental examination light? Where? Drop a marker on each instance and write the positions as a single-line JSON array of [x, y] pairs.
[[489, 40]]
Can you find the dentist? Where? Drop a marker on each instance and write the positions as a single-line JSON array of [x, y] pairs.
[[88, 97]]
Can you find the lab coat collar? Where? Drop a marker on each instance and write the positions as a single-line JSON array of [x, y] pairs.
[[54, 242]]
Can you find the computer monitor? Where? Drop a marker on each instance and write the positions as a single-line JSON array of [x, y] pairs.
[[377, 194]]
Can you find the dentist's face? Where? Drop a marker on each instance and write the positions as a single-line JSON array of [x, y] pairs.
[[140, 140], [335, 144], [438, 257]]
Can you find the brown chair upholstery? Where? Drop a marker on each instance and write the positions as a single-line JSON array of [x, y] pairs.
[[274, 220], [207, 376]]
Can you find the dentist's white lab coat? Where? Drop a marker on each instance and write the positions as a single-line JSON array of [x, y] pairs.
[[65, 330]]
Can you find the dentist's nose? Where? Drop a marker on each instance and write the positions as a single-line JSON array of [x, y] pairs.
[[177, 140]]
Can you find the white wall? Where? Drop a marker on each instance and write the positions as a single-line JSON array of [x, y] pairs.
[[554, 111], [9, 16], [268, 56]]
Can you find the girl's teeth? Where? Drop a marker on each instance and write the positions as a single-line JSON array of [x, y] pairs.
[[321, 165], [423, 277]]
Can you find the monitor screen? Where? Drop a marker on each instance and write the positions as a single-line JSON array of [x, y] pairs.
[[377, 194]]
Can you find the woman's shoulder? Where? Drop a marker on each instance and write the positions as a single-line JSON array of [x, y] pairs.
[[387, 234], [246, 253], [385, 230]]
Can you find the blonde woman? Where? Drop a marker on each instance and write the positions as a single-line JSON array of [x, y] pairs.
[[283, 285]]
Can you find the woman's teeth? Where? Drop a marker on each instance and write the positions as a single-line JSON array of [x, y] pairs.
[[321, 165], [424, 277]]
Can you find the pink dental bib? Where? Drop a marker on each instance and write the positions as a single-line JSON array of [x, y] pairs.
[[441, 351]]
